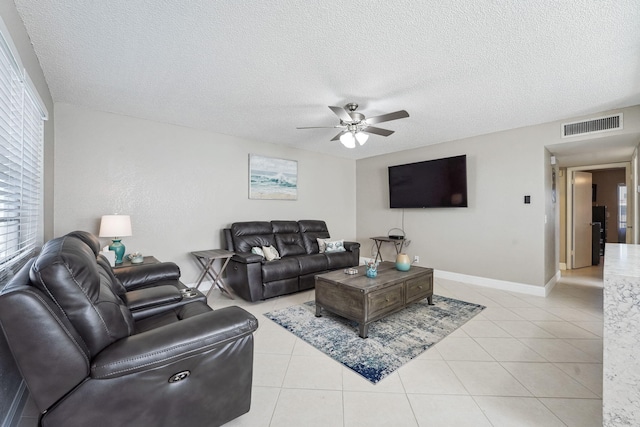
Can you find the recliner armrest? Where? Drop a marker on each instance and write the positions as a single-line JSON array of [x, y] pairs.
[[149, 297], [179, 340], [351, 246], [143, 275], [247, 257]]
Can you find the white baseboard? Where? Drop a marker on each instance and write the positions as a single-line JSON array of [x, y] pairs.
[[551, 283], [563, 266], [503, 285]]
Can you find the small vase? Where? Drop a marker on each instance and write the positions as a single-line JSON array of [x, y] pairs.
[[372, 271], [403, 263]]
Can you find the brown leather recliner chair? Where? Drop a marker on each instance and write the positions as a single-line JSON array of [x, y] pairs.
[[88, 362]]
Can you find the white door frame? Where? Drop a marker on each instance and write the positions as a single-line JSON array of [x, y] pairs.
[[569, 209]]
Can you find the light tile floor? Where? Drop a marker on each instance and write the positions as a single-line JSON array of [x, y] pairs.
[[524, 361]]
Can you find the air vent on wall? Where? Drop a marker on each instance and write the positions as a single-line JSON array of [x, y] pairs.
[[600, 124]]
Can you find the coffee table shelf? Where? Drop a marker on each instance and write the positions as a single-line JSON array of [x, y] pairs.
[[365, 300]]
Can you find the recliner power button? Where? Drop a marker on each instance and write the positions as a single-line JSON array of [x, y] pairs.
[[179, 376]]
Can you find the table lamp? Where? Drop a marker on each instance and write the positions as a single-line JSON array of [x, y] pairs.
[[116, 226]]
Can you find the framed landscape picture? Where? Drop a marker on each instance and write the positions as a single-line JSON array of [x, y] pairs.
[[272, 178]]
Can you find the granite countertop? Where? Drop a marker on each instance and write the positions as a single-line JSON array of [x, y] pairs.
[[621, 361]]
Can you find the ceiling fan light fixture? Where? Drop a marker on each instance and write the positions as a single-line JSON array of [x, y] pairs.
[[361, 137], [356, 127], [348, 140]]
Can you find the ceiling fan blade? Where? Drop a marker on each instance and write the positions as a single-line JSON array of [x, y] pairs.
[[337, 137], [377, 131], [342, 114], [388, 117], [318, 127]]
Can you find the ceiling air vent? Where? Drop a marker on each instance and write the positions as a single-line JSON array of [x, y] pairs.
[[600, 124]]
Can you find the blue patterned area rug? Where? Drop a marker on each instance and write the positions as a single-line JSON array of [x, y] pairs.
[[391, 342]]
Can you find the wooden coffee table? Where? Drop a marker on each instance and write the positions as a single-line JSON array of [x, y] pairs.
[[365, 300]]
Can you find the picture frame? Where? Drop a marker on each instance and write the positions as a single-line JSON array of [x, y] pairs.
[[272, 178]]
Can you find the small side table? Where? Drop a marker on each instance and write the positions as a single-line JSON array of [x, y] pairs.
[[145, 260], [379, 240], [206, 260]]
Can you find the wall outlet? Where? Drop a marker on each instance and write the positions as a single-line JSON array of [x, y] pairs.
[[416, 259]]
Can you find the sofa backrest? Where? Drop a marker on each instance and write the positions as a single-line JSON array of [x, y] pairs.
[[89, 239], [311, 230], [107, 276], [67, 271], [41, 337], [288, 238], [249, 234]]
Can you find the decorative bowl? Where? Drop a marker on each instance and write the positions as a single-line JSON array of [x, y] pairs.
[[136, 258]]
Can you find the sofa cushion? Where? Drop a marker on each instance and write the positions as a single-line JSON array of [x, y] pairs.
[[338, 260], [280, 287], [334, 246], [249, 234], [311, 230], [257, 251], [270, 253], [89, 238], [322, 244], [172, 316], [290, 244], [285, 227], [284, 268], [107, 276], [288, 238], [67, 271], [314, 263]]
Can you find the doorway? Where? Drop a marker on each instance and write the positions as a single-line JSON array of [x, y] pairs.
[[608, 198]]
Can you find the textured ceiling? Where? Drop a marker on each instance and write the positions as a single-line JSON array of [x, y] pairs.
[[259, 69]]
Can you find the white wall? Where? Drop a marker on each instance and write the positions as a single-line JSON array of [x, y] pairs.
[[551, 220], [181, 186], [497, 236]]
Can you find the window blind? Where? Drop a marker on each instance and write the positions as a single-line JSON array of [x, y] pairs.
[[21, 164]]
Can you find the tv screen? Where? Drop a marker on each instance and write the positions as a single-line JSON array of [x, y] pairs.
[[440, 183]]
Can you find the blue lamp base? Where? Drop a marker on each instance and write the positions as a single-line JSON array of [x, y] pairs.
[[117, 247]]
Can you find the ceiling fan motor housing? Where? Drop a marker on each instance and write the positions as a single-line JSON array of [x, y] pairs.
[[356, 118]]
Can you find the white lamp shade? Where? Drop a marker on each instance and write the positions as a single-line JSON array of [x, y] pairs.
[[115, 226], [361, 137], [348, 140]]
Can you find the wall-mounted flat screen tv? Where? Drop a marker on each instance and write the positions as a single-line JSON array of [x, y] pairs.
[[440, 183]]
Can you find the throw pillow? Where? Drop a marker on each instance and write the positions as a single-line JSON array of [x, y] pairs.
[[257, 250], [334, 246], [270, 253], [322, 244]]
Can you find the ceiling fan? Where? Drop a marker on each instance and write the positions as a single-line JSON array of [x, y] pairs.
[[356, 127]]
